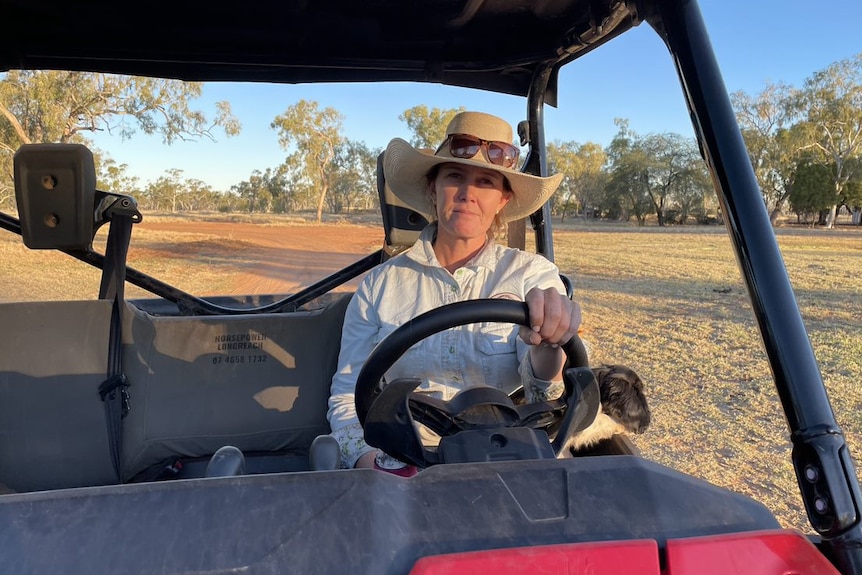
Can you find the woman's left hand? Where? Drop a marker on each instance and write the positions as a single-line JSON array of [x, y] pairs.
[[554, 318]]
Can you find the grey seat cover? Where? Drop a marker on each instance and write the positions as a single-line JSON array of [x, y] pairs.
[[52, 420], [257, 382]]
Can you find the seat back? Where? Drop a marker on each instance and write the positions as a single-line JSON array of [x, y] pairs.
[[401, 224], [257, 382], [53, 432]]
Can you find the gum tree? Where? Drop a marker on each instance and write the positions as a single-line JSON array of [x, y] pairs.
[[582, 165], [428, 126], [766, 121], [312, 136], [830, 103], [64, 107]]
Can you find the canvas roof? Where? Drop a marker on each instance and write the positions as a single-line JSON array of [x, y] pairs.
[[491, 45]]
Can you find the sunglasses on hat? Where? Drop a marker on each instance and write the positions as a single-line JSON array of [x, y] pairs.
[[465, 146]]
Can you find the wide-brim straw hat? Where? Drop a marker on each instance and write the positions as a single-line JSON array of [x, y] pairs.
[[405, 168]]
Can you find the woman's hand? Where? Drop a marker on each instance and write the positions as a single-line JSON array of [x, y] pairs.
[[554, 320]]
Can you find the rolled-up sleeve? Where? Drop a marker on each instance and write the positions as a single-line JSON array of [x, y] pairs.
[[536, 389], [359, 332], [540, 273]]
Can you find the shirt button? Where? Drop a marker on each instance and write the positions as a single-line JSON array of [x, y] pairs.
[[451, 349]]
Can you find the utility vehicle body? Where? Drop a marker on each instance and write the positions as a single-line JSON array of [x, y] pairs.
[[131, 443]]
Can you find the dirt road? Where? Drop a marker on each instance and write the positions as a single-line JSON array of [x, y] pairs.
[[271, 259]]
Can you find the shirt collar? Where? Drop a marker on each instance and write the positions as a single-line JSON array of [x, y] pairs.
[[423, 251]]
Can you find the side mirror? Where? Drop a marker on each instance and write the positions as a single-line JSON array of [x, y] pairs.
[[55, 187]]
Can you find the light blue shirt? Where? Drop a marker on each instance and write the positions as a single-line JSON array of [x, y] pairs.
[[414, 282]]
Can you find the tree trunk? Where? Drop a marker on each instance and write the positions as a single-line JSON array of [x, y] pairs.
[[773, 215], [830, 218], [320, 201]]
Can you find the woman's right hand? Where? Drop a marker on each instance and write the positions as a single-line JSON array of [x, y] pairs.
[[554, 318]]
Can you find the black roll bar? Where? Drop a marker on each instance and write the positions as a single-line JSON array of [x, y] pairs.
[[536, 162], [821, 458]]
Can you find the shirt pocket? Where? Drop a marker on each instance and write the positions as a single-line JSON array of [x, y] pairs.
[[497, 351], [412, 362]]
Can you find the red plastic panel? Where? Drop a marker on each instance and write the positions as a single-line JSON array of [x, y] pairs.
[[608, 558], [780, 552]]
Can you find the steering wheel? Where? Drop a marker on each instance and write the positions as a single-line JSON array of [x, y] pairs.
[[388, 412]]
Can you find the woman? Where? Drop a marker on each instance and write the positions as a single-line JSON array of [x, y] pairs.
[[472, 185]]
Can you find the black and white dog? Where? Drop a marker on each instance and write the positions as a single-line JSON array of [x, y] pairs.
[[623, 407]]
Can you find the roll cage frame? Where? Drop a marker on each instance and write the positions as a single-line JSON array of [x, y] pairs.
[[821, 458]]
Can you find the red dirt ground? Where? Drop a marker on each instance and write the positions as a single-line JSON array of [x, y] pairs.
[[284, 257]]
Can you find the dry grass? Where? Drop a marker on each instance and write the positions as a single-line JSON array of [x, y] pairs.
[[669, 303], [672, 305]]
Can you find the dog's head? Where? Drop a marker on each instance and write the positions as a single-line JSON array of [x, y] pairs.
[[622, 396]]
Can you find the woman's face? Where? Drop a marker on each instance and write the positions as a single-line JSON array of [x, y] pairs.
[[468, 198]]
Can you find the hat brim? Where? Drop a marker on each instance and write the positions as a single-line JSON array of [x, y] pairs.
[[405, 169]]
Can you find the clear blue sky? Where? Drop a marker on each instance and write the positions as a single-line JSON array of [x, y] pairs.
[[755, 41]]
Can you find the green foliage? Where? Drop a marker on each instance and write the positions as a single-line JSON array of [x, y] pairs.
[[355, 183], [313, 137], [813, 188], [659, 173], [266, 192], [323, 165], [674, 175], [784, 126], [428, 126], [54, 106], [584, 179], [786, 131], [773, 143], [852, 192], [626, 194], [57, 106], [112, 177], [830, 104], [690, 193]]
